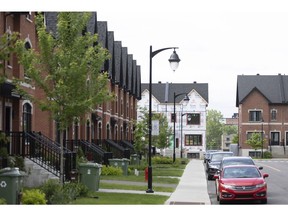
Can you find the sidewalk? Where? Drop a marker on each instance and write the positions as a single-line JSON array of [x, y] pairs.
[[191, 190]]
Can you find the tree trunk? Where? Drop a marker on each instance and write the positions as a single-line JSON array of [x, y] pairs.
[[61, 158]]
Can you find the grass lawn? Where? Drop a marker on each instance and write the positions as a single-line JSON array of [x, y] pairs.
[[134, 187], [123, 199], [162, 174]]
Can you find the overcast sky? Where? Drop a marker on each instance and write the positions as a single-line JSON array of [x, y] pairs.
[[217, 39]]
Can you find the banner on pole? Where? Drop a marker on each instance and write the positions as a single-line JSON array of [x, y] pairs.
[[155, 128]]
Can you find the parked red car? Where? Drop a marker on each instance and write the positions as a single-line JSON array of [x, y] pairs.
[[241, 182]]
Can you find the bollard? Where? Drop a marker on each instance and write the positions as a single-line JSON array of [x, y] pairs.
[[146, 174]]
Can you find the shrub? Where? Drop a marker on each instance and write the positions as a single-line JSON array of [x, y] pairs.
[[50, 188], [17, 161], [267, 154], [56, 194], [2, 201], [110, 170], [74, 190], [33, 196], [162, 160]]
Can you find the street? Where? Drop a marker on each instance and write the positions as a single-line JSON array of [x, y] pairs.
[[277, 182]]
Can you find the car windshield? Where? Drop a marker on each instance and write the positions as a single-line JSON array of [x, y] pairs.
[[219, 157], [241, 172], [238, 161]]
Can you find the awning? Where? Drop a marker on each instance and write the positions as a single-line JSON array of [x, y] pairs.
[[7, 90]]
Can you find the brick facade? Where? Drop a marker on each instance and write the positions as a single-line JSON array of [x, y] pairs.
[[112, 120], [272, 120]]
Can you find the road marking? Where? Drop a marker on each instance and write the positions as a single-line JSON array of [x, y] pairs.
[[270, 167]]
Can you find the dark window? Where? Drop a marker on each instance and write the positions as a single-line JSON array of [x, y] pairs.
[[27, 117], [255, 116], [27, 46], [193, 140], [275, 140], [193, 119]]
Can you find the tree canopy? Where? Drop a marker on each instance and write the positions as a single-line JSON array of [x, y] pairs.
[[214, 129], [67, 68], [141, 131]]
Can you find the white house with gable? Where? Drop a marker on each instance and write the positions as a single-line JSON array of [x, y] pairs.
[[190, 118]]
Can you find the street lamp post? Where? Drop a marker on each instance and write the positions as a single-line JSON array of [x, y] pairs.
[[262, 138], [174, 62], [174, 121], [182, 114]]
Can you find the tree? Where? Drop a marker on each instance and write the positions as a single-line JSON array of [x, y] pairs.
[[230, 129], [235, 138], [214, 129], [255, 141], [67, 68], [141, 132], [7, 47]]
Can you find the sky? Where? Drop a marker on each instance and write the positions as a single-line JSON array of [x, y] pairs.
[[217, 40]]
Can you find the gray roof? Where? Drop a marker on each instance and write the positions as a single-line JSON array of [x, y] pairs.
[[159, 90], [273, 87], [122, 68]]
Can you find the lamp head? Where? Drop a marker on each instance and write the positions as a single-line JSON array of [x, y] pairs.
[[174, 60]]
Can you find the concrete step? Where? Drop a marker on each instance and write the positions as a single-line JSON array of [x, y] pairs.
[[36, 175]]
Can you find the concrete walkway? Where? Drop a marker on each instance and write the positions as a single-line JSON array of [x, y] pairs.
[[191, 190]]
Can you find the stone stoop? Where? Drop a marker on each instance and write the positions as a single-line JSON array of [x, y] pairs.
[[36, 175]]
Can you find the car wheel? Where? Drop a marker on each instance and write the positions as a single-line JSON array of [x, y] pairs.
[[209, 177]]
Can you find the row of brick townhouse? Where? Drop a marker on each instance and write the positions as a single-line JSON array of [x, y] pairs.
[[262, 101], [109, 122], [190, 117]]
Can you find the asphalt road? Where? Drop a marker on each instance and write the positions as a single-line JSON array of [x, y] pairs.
[[277, 182]]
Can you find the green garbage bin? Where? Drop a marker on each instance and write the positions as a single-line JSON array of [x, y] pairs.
[[90, 175], [11, 184], [122, 163], [135, 160]]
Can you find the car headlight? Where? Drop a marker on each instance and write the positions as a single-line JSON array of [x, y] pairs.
[[214, 167], [261, 185], [226, 186]]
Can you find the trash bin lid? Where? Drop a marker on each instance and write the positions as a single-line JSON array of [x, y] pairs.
[[89, 164], [10, 171]]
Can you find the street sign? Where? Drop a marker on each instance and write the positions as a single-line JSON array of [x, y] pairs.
[[155, 127]]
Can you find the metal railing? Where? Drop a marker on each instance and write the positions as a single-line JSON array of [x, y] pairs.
[[42, 151]]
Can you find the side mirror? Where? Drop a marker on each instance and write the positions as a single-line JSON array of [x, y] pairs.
[[265, 175], [216, 176], [260, 168]]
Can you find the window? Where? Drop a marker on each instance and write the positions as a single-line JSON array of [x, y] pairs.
[[193, 140], [27, 46], [255, 116], [173, 117], [273, 115], [116, 104], [275, 138], [193, 119], [9, 44], [27, 117]]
